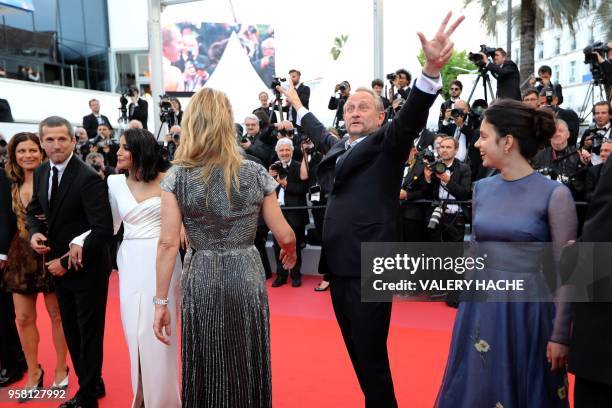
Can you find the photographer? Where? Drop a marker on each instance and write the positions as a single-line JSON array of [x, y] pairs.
[[303, 92], [454, 125], [605, 66], [455, 89], [563, 162], [171, 142], [505, 72], [252, 141], [402, 81], [139, 108], [96, 161], [95, 118], [265, 106], [377, 86], [531, 97], [291, 192], [543, 81], [593, 172], [83, 144], [548, 99], [599, 131], [413, 215], [448, 179], [343, 91], [178, 110], [103, 143]]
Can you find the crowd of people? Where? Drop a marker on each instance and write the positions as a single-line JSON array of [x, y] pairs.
[[78, 203]]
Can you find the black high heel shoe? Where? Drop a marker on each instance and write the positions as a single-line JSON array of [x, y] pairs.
[[29, 392]]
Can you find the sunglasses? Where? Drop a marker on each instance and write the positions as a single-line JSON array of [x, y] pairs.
[[454, 89]]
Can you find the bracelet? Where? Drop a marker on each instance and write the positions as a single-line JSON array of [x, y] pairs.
[[430, 77], [160, 301]]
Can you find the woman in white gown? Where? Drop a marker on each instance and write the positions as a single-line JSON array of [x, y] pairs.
[[135, 201]]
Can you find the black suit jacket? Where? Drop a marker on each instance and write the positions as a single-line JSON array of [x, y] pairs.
[[508, 79], [81, 205], [295, 195], [592, 178], [590, 355], [459, 185], [8, 225], [363, 204], [304, 94], [5, 111], [338, 105], [413, 185], [90, 124], [140, 112]]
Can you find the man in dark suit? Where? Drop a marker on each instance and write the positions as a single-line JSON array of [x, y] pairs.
[[413, 215], [364, 171], [506, 73], [455, 124], [594, 172], [291, 192], [590, 353], [94, 119], [336, 102], [70, 198], [5, 111], [12, 360], [453, 184], [455, 88], [139, 108], [303, 92]]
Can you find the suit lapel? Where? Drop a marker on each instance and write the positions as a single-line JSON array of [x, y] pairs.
[[64, 186], [44, 188]]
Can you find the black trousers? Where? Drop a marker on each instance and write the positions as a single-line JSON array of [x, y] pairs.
[[11, 355], [261, 236], [83, 314], [414, 230], [365, 327], [296, 270], [591, 394]]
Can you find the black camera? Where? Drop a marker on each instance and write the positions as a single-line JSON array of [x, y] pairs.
[[598, 136], [455, 113], [96, 167], [602, 49], [391, 77], [432, 161], [277, 166], [166, 113], [476, 58], [246, 138], [276, 81]]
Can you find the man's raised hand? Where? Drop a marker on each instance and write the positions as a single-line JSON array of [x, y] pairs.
[[291, 95], [439, 49]]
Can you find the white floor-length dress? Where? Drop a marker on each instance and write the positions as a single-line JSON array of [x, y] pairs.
[[157, 363]]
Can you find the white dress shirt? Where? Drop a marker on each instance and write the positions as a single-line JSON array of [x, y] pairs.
[[60, 172]]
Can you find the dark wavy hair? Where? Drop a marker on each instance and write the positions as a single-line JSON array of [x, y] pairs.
[[147, 161], [532, 128], [13, 170]]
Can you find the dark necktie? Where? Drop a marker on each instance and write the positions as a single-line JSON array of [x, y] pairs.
[[54, 184]]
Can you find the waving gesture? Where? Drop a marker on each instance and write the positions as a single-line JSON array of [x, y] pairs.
[[439, 49]]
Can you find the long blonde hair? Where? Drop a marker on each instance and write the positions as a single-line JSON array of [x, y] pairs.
[[208, 138]]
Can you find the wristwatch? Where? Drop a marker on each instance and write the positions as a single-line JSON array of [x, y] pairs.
[[160, 301]]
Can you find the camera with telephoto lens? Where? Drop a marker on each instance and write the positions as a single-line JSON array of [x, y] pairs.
[[277, 166], [247, 138], [96, 167], [476, 58], [436, 215], [598, 136], [342, 86], [391, 77], [431, 160], [276, 81], [590, 59]]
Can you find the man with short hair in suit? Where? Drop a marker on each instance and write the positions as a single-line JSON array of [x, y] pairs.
[[12, 360], [70, 198], [364, 171], [506, 73], [291, 192], [139, 108], [303, 92], [94, 119]]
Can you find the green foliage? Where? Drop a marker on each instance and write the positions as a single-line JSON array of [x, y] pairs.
[[450, 71], [339, 43]]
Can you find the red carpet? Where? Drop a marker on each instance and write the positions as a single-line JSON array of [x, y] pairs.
[[310, 366]]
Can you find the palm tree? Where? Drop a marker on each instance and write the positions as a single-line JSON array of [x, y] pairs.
[[531, 20]]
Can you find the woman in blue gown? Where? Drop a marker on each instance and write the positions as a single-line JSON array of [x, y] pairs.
[[512, 354]]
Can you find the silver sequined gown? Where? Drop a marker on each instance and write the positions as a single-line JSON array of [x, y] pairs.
[[225, 316]]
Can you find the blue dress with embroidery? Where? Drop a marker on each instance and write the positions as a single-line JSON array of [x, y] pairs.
[[497, 355]]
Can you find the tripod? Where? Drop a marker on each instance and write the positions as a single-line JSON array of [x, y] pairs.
[[486, 83], [589, 100], [277, 105]]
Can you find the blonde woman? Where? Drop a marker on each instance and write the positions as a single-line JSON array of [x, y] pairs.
[[225, 318]]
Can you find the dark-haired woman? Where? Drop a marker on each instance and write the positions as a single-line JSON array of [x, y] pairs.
[[135, 201], [178, 110], [25, 275], [512, 353]]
